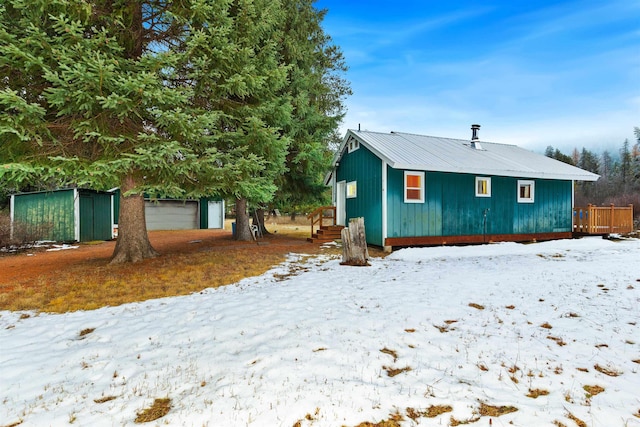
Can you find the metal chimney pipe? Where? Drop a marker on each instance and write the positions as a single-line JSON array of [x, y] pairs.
[[474, 132], [475, 140]]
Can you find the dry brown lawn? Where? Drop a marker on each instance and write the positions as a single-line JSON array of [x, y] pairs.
[[190, 261]]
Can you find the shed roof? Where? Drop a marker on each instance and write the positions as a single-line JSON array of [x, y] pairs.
[[430, 153]]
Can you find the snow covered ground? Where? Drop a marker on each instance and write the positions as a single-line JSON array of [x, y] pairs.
[[314, 342]]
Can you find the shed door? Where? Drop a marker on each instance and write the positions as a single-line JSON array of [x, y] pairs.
[[341, 202], [216, 214], [171, 215], [86, 218]]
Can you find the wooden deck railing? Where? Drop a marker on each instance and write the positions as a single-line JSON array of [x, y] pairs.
[[603, 219], [324, 215]]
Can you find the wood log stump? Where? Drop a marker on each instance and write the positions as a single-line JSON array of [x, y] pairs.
[[354, 244]]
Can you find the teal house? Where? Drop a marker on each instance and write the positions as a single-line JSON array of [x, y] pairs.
[[424, 190]]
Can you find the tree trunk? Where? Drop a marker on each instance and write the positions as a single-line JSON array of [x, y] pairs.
[[259, 215], [354, 244], [133, 241], [243, 227]]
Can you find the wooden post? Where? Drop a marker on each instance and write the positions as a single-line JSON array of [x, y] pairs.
[[611, 223], [354, 244]]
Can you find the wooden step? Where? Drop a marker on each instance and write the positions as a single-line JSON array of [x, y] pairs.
[[327, 233]]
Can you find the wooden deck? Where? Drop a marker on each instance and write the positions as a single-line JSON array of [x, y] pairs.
[[603, 220]]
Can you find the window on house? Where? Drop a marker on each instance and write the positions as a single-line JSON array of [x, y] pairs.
[[352, 145], [526, 191], [483, 187], [413, 187], [352, 189]]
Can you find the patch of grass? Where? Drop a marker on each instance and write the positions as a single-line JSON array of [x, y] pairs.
[[17, 423], [607, 371], [536, 392], [582, 369], [483, 367], [510, 307], [495, 411], [546, 325], [392, 372], [513, 369], [431, 412], [92, 284], [559, 424], [105, 399], [636, 360], [443, 329], [477, 306], [307, 417], [454, 422], [558, 340], [85, 332], [576, 420], [391, 353], [159, 409], [602, 345], [593, 390], [410, 330]]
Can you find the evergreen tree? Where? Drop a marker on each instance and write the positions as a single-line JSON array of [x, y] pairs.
[[625, 163], [563, 157], [588, 161], [606, 164], [317, 90], [177, 99]]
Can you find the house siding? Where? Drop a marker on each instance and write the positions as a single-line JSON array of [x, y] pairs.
[[365, 168], [451, 207], [47, 215], [413, 219]]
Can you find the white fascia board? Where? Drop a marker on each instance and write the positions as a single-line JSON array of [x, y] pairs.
[[76, 215], [384, 202], [491, 172], [11, 214]]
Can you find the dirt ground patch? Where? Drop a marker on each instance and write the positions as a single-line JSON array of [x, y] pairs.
[[30, 265], [190, 261]]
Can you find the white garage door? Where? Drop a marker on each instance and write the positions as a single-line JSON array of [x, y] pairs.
[[172, 215]]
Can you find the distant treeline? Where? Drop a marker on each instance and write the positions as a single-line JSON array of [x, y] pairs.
[[619, 181]]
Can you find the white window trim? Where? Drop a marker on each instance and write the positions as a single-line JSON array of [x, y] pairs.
[[530, 199], [421, 175], [483, 178], [354, 185], [353, 145]]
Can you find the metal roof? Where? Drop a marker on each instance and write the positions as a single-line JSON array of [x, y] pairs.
[[430, 153]]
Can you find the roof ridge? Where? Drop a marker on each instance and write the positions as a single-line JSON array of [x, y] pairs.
[[449, 138]]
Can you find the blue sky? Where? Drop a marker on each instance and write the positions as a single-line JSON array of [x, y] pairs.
[[532, 73]]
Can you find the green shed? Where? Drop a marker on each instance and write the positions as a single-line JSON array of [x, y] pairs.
[[423, 190], [65, 215], [177, 214]]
